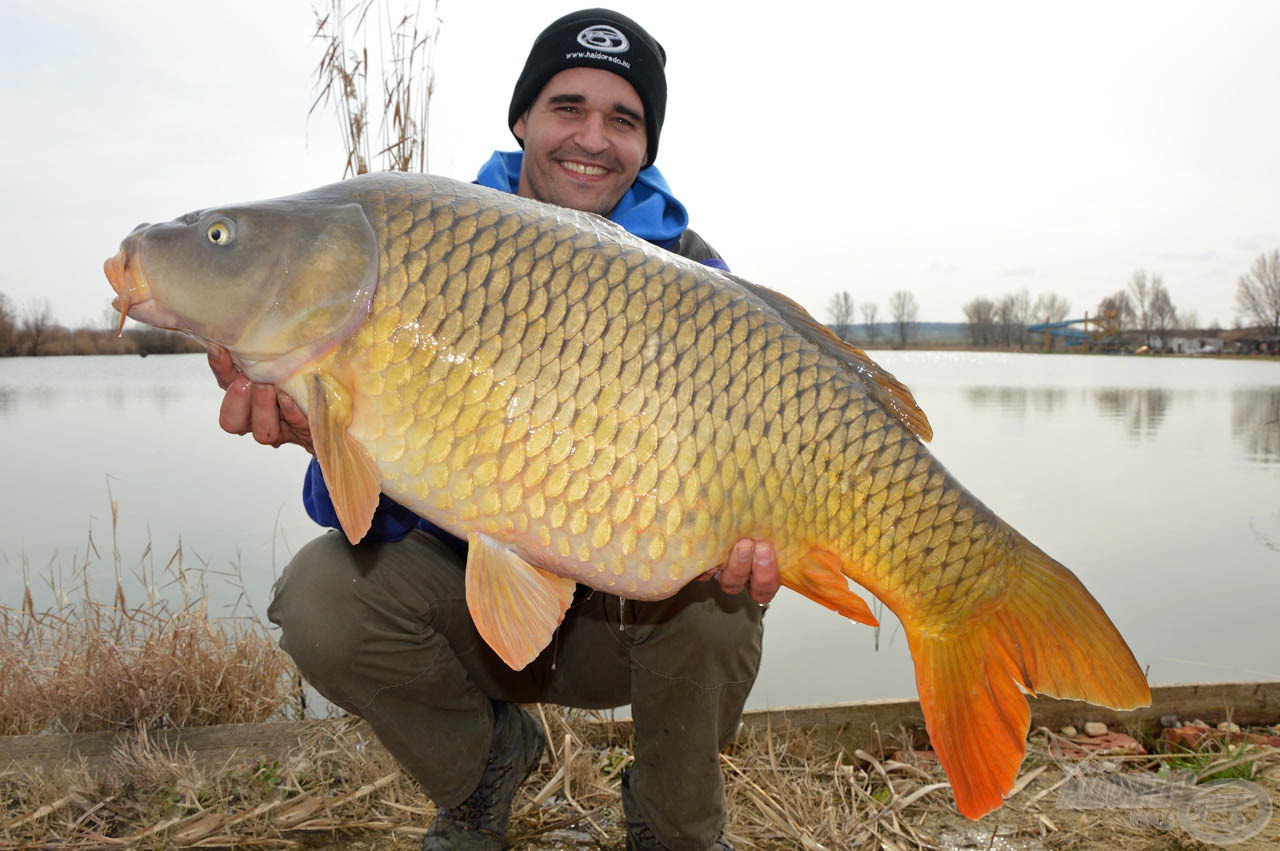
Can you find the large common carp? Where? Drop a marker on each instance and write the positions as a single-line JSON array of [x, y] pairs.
[[584, 407]]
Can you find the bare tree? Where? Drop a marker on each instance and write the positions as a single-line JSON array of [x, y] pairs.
[[1164, 316], [8, 327], [37, 322], [1051, 307], [904, 310], [980, 316], [840, 309], [1023, 314], [869, 324], [1013, 314], [1139, 289], [1258, 292], [1142, 291], [1117, 310]]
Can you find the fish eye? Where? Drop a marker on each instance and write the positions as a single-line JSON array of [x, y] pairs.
[[220, 232]]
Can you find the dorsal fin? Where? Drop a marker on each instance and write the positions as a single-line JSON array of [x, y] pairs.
[[891, 393]]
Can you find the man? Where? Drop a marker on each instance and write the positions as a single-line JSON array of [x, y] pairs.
[[382, 629]]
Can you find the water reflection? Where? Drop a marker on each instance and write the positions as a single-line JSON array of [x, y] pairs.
[[1255, 421], [117, 397], [1017, 400], [1142, 409], [164, 396]]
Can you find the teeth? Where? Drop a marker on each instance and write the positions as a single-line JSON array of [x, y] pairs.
[[582, 168]]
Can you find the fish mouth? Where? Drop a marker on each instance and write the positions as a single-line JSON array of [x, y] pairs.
[[127, 280], [133, 293]]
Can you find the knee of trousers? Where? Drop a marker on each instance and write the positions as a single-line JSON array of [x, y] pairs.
[[314, 605], [334, 600]]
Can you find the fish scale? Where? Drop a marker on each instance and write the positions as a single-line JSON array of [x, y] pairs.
[[582, 406], [670, 452]]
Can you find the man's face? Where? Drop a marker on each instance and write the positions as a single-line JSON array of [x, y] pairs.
[[584, 141]]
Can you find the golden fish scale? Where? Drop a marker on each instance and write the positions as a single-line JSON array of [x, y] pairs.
[[606, 407]]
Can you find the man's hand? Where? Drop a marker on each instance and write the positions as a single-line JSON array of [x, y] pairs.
[[753, 565], [273, 418]]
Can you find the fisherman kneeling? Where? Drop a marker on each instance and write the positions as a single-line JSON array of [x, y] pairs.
[[382, 629]]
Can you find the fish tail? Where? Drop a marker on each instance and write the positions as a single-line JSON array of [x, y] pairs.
[[1048, 636]]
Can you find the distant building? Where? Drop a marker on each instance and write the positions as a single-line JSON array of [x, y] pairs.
[[1195, 343], [1252, 341]]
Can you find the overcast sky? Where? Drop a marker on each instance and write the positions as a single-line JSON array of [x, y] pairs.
[[950, 149]]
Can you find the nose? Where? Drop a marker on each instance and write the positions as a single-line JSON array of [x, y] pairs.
[[591, 136]]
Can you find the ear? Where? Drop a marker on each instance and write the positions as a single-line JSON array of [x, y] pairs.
[[518, 129]]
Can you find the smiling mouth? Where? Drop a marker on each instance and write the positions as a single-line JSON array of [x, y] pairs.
[[585, 168]]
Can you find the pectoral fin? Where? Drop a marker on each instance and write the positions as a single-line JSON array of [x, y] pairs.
[[352, 478], [516, 606]]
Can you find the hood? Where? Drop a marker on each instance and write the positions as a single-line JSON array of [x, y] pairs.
[[649, 209]]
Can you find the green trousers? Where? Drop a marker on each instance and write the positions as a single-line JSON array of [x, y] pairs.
[[383, 631]]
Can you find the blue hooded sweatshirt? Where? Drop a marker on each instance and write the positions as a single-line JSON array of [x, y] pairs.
[[648, 210]]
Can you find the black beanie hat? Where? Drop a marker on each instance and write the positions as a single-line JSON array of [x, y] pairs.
[[597, 38]]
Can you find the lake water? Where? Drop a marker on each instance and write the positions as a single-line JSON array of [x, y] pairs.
[[1157, 481]]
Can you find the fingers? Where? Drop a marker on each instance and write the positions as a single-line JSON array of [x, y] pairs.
[[234, 415], [752, 565], [256, 409], [224, 369], [737, 570], [765, 579], [265, 413], [296, 422]]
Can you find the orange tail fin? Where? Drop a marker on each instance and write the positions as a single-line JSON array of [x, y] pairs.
[[1049, 636]]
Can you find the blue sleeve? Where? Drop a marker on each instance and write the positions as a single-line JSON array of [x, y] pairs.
[[391, 520]]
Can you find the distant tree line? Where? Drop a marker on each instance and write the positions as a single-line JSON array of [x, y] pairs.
[[1003, 321], [1142, 308], [33, 331], [903, 312]]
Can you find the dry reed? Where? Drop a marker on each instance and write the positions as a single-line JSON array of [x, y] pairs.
[[401, 63], [84, 663], [337, 788], [133, 667]]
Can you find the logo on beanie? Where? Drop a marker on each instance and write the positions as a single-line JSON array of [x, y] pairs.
[[603, 37]]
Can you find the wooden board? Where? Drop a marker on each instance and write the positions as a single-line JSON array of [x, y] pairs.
[[867, 724]]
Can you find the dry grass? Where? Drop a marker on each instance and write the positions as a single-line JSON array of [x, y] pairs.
[[84, 663], [164, 662], [787, 789]]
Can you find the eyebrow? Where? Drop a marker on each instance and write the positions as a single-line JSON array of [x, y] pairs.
[[619, 107]]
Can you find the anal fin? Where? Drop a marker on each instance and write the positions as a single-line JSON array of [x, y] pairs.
[[818, 576], [516, 606]]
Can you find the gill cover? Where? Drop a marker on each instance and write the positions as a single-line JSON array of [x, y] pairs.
[[277, 283]]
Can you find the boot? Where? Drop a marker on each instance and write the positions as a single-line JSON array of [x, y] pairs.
[[480, 822], [640, 837]]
